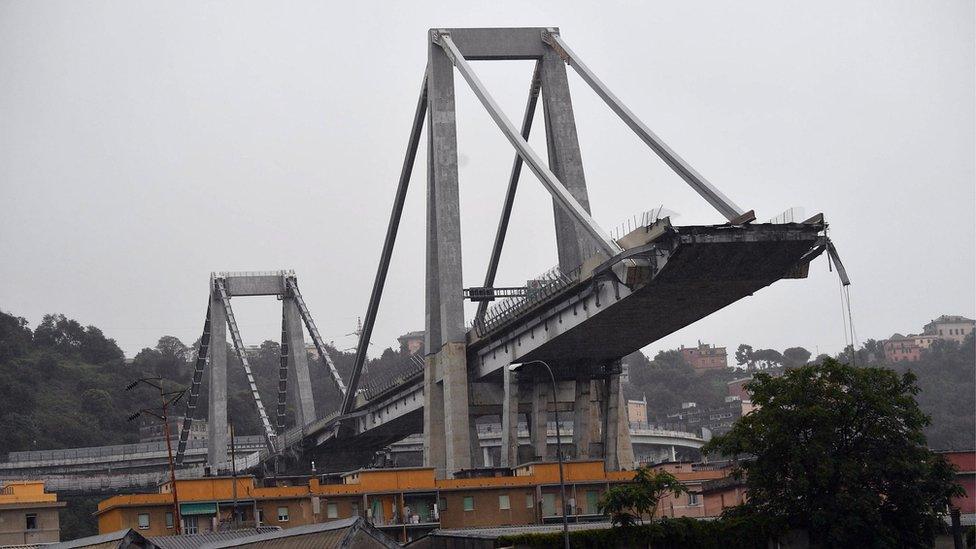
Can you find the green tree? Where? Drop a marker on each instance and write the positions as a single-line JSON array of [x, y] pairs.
[[767, 358], [743, 356], [15, 337], [839, 452], [796, 356], [628, 504]]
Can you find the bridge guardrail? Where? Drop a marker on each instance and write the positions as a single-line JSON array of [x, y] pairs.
[[541, 289]]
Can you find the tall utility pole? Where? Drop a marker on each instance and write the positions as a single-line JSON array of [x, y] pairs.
[[233, 468], [167, 399]]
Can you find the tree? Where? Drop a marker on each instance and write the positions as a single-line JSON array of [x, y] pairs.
[[767, 358], [15, 336], [839, 452], [743, 356], [629, 503], [71, 339], [796, 356]]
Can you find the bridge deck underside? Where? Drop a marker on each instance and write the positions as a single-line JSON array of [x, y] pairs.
[[703, 274]]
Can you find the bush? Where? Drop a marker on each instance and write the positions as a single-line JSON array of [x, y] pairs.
[[730, 532]]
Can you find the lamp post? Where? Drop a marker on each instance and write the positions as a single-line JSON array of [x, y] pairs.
[[559, 443]]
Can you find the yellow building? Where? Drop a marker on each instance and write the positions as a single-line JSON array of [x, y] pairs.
[[28, 514], [404, 503]]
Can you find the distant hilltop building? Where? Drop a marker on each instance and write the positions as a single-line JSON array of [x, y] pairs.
[[899, 348], [709, 421], [902, 348], [705, 357], [411, 342], [951, 327], [637, 410]]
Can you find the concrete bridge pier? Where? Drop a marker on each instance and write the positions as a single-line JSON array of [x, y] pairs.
[[583, 417], [300, 383], [539, 418], [510, 418], [217, 401], [617, 449]]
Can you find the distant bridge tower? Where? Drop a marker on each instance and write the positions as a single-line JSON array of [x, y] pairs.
[[294, 359]]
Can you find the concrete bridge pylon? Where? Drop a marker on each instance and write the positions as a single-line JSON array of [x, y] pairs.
[[606, 298]]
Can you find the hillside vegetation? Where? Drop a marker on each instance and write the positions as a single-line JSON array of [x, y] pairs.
[[63, 383]]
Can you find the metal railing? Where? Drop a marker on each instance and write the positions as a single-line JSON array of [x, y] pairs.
[[226, 274], [540, 290], [377, 385], [118, 451]]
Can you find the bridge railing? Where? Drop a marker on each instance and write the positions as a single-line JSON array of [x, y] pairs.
[[540, 290], [117, 451], [380, 384]]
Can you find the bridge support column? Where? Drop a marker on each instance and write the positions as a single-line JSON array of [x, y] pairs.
[[510, 404], [618, 451], [445, 305], [298, 363], [539, 422], [434, 446], [217, 401], [478, 459], [582, 417], [565, 159]]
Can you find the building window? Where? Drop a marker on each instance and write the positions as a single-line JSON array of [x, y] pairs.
[[442, 506], [169, 520], [143, 521], [548, 505], [282, 514], [354, 509], [332, 510], [693, 498], [190, 525], [31, 520], [504, 502], [469, 503], [529, 501], [260, 517], [592, 502]]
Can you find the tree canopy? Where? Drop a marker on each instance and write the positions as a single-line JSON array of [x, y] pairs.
[[839, 451], [628, 504]]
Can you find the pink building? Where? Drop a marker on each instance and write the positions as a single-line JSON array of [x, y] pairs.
[[705, 357]]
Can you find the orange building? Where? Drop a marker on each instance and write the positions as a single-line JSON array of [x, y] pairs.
[[28, 514], [404, 503]]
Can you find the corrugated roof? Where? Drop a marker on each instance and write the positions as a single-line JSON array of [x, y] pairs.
[[94, 540], [495, 533], [339, 527], [193, 541]]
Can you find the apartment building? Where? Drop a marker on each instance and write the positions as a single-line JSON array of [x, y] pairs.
[[403, 503], [28, 514]]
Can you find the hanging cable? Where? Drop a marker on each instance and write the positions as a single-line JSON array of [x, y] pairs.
[[850, 322], [843, 317]]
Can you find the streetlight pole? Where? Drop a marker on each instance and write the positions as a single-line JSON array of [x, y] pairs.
[[559, 443]]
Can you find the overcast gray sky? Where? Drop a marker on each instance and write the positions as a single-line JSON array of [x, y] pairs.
[[144, 145]]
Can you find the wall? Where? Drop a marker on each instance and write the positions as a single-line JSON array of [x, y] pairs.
[[486, 510], [13, 525]]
